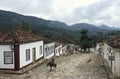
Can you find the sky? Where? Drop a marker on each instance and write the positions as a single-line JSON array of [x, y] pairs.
[[95, 12]]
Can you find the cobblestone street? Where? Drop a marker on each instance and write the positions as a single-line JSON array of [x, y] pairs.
[[76, 66]]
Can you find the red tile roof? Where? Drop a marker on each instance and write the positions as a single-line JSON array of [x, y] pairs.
[[20, 36], [113, 41], [57, 44]]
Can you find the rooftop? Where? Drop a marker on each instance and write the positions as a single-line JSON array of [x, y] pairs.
[[20, 36], [113, 41], [57, 44]]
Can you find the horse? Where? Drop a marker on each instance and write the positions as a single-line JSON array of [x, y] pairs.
[[51, 64]]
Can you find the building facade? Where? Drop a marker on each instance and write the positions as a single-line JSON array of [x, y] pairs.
[[58, 50], [17, 56], [112, 55], [49, 50], [19, 48]]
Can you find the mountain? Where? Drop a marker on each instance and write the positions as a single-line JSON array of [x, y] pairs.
[[90, 27], [57, 24], [10, 18], [54, 30], [105, 27]]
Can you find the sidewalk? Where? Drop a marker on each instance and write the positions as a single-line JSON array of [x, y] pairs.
[[25, 69], [107, 68]]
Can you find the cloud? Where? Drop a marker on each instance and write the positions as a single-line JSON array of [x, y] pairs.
[[69, 11], [63, 9], [91, 12], [103, 12], [38, 8]]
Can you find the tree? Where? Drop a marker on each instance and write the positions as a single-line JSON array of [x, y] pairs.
[[17, 25], [85, 41], [25, 25], [22, 25]]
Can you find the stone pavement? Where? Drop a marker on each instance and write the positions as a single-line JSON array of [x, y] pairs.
[[76, 66], [25, 69]]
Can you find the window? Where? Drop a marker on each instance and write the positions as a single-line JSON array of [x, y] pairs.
[[52, 49], [45, 51], [109, 49], [48, 51], [40, 50], [8, 57], [27, 54], [55, 50], [68, 47], [59, 49]]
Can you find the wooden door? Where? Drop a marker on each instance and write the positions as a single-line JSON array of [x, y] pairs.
[[34, 54]]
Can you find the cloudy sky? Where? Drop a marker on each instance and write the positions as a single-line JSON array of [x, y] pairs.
[[69, 11]]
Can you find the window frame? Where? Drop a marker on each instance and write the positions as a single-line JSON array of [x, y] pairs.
[[27, 54], [46, 52], [41, 50], [5, 60]]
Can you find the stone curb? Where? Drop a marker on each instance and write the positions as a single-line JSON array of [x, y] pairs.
[[108, 71]]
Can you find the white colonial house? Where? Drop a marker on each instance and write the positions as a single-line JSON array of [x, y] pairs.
[[49, 50], [17, 51], [110, 51], [68, 49], [30, 52], [58, 49], [112, 55]]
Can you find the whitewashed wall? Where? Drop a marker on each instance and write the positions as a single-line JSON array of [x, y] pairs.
[[2, 49], [50, 50], [105, 51], [115, 63], [92, 49], [97, 47], [24, 47], [61, 50], [64, 49], [57, 53]]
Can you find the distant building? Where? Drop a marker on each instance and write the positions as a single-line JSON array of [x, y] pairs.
[[64, 50], [76, 49], [49, 50], [68, 49], [58, 49]]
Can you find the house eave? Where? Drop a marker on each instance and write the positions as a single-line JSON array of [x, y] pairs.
[[21, 42], [7, 43]]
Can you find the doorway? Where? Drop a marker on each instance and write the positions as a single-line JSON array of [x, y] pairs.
[[34, 54]]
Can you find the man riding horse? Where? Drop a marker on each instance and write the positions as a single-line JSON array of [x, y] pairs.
[[52, 64]]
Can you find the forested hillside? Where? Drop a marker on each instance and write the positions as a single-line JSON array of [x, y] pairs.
[[54, 30]]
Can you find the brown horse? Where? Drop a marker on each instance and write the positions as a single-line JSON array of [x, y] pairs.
[[52, 64]]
